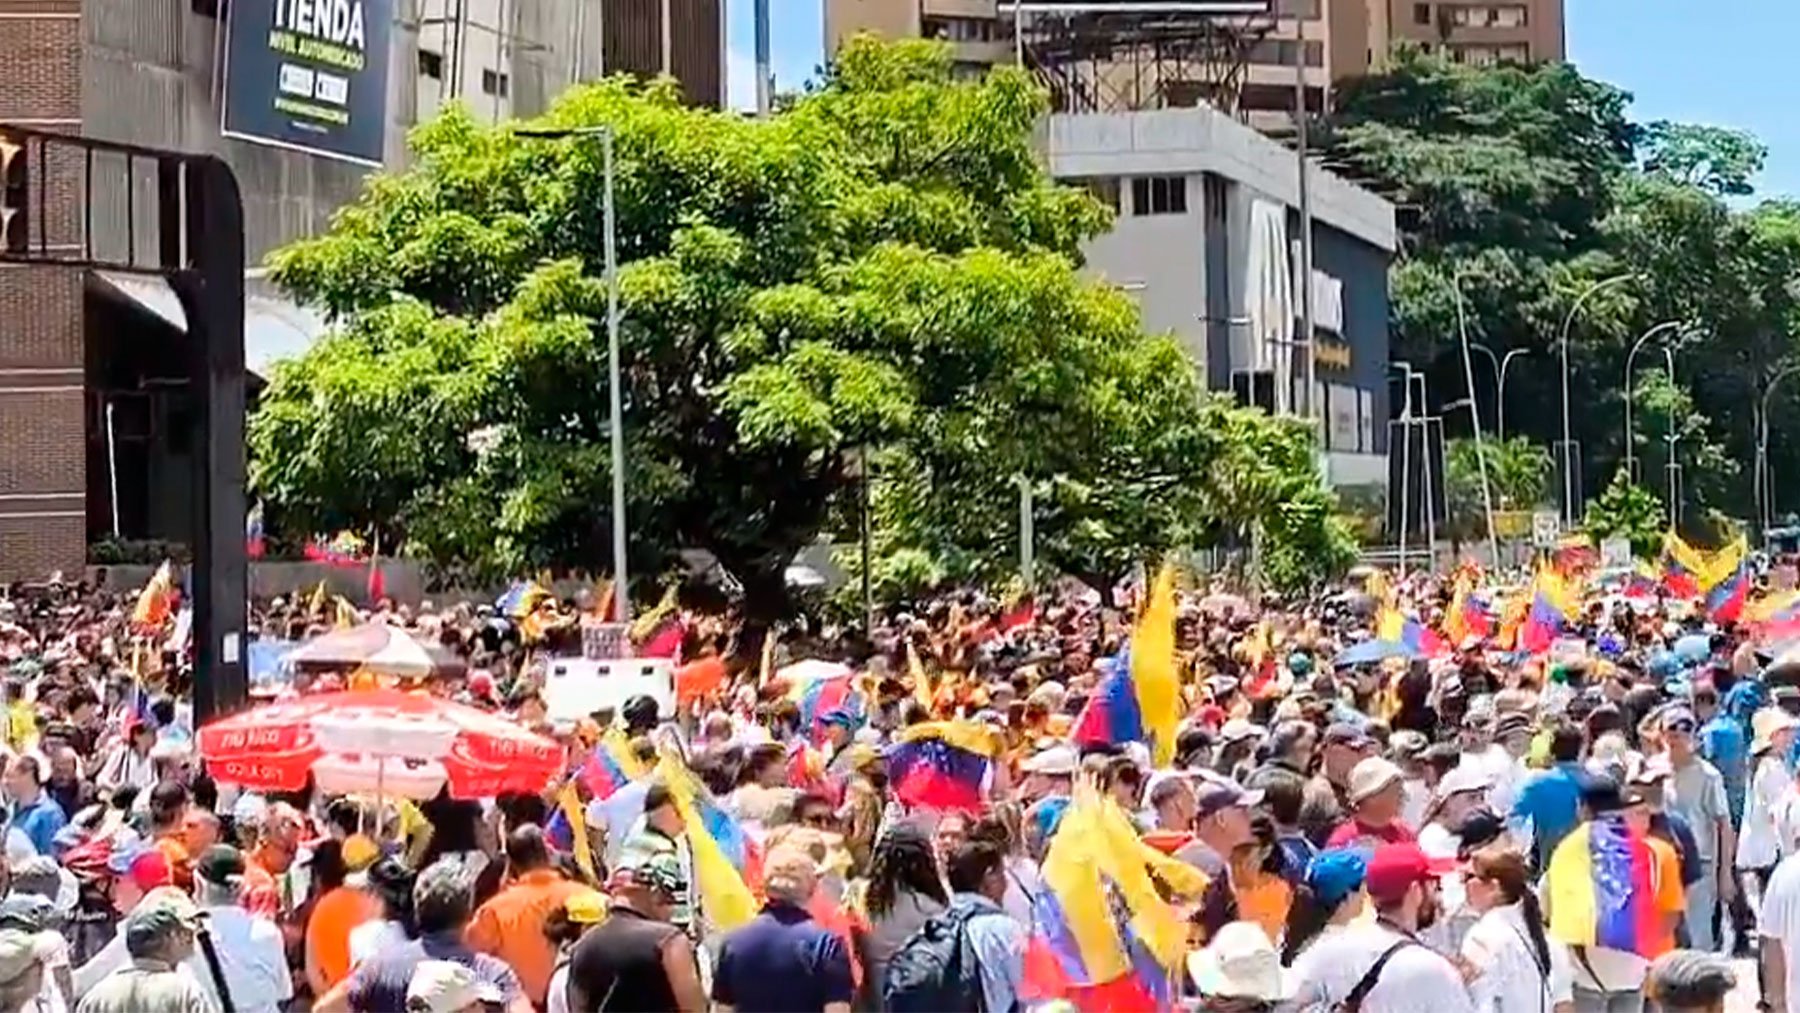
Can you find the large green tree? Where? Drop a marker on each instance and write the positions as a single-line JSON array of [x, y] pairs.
[[883, 267], [1521, 188]]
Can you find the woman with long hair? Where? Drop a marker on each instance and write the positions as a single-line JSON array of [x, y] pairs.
[[904, 889], [1329, 897], [1514, 966]]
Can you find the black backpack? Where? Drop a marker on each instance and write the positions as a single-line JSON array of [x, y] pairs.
[[935, 970]]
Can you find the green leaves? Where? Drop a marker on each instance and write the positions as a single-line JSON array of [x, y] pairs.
[[884, 265]]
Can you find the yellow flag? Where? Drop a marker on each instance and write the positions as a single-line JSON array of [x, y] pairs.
[[922, 689], [316, 603], [570, 804], [1153, 668], [346, 614], [766, 670]]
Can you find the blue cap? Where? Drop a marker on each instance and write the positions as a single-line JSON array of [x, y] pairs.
[[839, 716], [1334, 875]]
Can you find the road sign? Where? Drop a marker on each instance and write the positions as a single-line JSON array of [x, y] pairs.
[[1545, 529]]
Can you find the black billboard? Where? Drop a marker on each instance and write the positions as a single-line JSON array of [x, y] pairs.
[[309, 75]]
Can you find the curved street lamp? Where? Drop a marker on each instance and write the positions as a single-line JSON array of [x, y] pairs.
[[1630, 444], [1568, 476], [1765, 485]]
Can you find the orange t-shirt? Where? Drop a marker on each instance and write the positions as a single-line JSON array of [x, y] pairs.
[[1671, 898], [328, 930], [1264, 899], [511, 926], [181, 864]]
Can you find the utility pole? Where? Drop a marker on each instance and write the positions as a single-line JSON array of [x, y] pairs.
[[1307, 337], [765, 80]]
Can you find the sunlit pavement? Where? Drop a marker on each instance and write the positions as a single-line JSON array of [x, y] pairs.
[[1743, 998]]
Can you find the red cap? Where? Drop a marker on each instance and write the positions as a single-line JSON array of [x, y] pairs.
[[151, 870], [1393, 868], [481, 683]]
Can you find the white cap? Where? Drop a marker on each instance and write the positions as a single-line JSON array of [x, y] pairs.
[[1370, 775], [1237, 730], [1057, 760], [1464, 777], [444, 986]]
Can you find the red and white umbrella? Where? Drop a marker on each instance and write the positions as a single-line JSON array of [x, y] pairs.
[[376, 647], [378, 740]]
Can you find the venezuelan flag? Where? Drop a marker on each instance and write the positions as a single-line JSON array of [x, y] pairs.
[[1725, 600], [823, 696], [1778, 614], [1601, 892], [1642, 583], [725, 894], [941, 764], [610, 766], [1102, 934], [1153, 675], [1111, 716], [1547, 618], [521, 599]]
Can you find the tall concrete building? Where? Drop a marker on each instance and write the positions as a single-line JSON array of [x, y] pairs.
[[1244, 65], [1493, 31], [96, 396]]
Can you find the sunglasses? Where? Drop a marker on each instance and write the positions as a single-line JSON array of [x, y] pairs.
[[1681, 728], [818, 821]]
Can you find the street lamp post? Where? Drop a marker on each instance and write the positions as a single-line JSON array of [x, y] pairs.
[[1765, 484], [1487, 495], [1406, 424], [1630, 444], [615, 394], [1674, 466], [1501, 364], [1568, 476]]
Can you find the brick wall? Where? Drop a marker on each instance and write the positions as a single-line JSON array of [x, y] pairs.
[[43, 478]]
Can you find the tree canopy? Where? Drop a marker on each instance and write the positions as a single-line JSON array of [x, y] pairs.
[[884, 266], [1522, 188]]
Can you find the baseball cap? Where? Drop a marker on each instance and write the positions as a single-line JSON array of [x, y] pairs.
[[138, 859], [1343, 733], [1334, 875], [1674, 717], [1394, 868], [1056, 760], [585, 907], [1601, 794], [1370, 775], [648, 871], [1462, 778], [445, 986], [161, 910], [221, 864], [1212, 795], [1477, 830]]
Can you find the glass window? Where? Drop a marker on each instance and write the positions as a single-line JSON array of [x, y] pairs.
[[495, 83], [1511, 16], [1159, 195], [431, 64], [1421, 14], [1365, 420]]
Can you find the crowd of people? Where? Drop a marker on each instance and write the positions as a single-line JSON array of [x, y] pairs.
[[1600, 826]]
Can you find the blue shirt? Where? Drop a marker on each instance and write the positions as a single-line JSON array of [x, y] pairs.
[[782, 962], [378, 985], [999, 945], [39, 822], [1722, 744], [1551, 801]]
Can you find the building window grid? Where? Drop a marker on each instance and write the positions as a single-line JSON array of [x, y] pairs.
[[495, 83], [1484, 16], [1421, 14], [954, 29], [431, 64], [1158, 195], [1280, 52]]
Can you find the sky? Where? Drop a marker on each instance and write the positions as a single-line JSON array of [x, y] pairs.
[[1725, 62]]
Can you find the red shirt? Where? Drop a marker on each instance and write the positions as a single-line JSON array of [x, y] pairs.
[[1353, 833]]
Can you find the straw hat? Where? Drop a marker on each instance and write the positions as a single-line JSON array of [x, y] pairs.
[[1768, 723]]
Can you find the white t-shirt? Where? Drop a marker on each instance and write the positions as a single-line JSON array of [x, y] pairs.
[[371, 937], [1759, 844], [1415, 979], [1511, 980], [1781, 920]]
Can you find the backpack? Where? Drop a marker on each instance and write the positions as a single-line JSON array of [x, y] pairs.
[[1353, 1003], [935, 970]]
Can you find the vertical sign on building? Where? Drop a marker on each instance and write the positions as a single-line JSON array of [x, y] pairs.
[[309, 75]]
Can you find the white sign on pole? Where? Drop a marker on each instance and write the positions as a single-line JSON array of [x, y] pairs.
[[1615, 553], [1545, 528]]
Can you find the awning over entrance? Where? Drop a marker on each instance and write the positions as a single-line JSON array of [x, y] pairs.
[[274, 328]]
